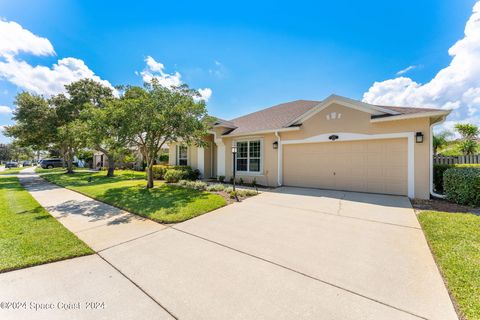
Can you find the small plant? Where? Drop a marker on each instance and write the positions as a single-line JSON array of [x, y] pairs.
[[183, 183], [254, 182], [233, 194], [221, 178], [231, 180], [228, 189], [240, 181], [199, 185], [249, 193], [173, 175], [216, 187]]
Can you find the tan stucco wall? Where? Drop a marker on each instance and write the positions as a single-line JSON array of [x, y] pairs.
[[192, 155], [268, 176], [355, 121]]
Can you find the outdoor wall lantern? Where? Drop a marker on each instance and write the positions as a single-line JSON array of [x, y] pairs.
[[234, 153], [275, 145], [333, 137], [419, 137]]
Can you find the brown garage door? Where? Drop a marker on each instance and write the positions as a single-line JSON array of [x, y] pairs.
[[378, 166]]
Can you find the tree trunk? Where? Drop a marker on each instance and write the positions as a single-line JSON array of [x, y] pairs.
[[70, 162], [150, 175], [111, 166]]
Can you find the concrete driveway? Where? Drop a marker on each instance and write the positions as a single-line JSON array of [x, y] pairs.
[[290, 254], [296, 253]]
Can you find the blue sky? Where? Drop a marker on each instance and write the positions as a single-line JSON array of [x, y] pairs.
[[251, 55]]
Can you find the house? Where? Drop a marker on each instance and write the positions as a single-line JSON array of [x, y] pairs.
[[337, 143], [100, 160]]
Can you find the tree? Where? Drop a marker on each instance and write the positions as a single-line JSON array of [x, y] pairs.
[[56, 122], [19, 153], [71, 130], [34, 121], [440, 140], [164, 115], [108, 130], [469, 132]]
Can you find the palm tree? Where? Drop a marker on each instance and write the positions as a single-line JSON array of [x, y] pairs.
[[440, 140]]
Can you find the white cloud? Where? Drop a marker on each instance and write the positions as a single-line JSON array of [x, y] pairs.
[[456, 86], [38, 79], [45, 80], [205, 94], [5, 110], [407, 69], [156, 70], [15, 39]]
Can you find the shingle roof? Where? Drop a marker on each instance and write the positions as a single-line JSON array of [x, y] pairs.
[[410, 110], [275, 117], [281, 115]]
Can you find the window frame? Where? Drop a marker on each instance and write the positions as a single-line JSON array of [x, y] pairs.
[[178, 146], [248, 172]]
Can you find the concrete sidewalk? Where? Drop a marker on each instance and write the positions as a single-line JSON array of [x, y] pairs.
[[99, 225]]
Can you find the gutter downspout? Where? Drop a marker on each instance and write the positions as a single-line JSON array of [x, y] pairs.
[[279, 159], [431, 160]]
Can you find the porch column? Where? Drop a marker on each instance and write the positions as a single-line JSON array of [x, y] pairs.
[[201, 161], [220, 157]]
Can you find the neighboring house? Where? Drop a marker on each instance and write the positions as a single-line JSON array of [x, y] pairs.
[[100, 160], [337, 143]]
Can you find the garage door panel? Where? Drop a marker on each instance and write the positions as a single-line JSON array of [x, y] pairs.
[[378, 166]]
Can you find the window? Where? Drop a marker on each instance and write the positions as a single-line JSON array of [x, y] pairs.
[[249, 156], [182, 155]]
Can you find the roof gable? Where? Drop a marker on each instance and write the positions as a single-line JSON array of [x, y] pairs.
[[346, 102]]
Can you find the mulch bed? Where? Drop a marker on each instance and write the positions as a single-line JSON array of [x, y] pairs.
[[442, 205]]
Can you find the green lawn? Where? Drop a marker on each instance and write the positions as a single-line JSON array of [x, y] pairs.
[[56, 170], [164, 203], [455, 242], [12, 170], [29, 235]]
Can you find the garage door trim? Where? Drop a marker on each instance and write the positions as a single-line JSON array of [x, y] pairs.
[[346, 136]]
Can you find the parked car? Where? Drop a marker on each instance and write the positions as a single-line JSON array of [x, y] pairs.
[[51, 163], [11, 164], [27, 163]]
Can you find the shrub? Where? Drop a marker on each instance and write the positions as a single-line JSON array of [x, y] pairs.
[[462, 185], [159, 171], [240, 181], [187, 172], [173, 175], [221, 178], [438, 172], [197, 185], [163, 158], [228, 189], [233, 194], [216, 187], [183, 183], [249, 193]]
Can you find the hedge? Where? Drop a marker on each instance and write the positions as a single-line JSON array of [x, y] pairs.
[[438, 172], [462, 185], [188, 173]]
